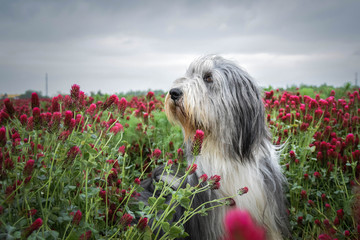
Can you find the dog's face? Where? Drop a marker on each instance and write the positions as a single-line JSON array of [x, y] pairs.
[[218, 97]]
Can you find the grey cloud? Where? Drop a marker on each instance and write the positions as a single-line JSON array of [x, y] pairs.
[[146, 44]]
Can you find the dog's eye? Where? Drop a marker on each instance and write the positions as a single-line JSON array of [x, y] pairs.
[[208, 78]]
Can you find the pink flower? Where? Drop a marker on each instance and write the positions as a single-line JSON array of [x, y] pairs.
[[240, 226], [113, 99], [34, 100], [214, 182], [33, 227], [55, 106], [2, 136], [197, 142], [122, 150], [75, 92], [243, 190], [191, 168], [292, 154], [150, 95], [180, 153], [67, 120], [29, 166], [340, 213], [317, 175], [142, 223], [126, 219], [137, 181], [324, 237], [117, 128], [203, 178], [91, 109], [86, 236], [77, 218], [156, 154], [122, 106], [72, 153], [9, 107]]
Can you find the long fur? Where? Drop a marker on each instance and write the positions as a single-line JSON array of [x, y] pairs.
[[221, 99]]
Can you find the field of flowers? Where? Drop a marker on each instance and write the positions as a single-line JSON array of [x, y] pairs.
[[71, 166]]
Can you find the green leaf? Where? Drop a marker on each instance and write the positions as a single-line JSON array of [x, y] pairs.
[[175, 232], [185, 202], [151, 201], [165, 226]]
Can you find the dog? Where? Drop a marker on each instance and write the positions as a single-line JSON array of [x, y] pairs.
[[222, 100]]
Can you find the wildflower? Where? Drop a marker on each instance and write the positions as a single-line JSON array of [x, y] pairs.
[[64, 135], [29, 166], [324, 237], [197, 142], [137, 181], [317, 175], [203, 178], [72, 153], [126, 219], [23, 119], [191, 168], [86, 236], [34, 100], [77, 218], [91, 109], [170, 162], [292, 154], [67, 120], [113, 99], [311, 203], [180, 153], [31, 212], [350, 139], [303, 194], [340, 213], [9, 107], [239, 225], [149, 95], [122, 150], [55, 106], [326, 222], [327, 206], [317, 222], [2, 136], [146, 118], [36, 115], [156, 154], [214, 182], [122, 106], [117, 128], [142, 223], [300, 220], [33, 227], [75, 92], [243, 190]]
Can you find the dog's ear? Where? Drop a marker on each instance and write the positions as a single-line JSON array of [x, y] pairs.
[[248, 113]]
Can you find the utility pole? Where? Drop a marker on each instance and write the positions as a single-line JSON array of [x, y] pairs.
[[46, 84]]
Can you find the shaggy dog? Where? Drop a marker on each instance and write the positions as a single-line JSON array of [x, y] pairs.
[[218, 97]]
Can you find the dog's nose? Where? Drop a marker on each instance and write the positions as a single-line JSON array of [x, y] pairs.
[[175, 93]]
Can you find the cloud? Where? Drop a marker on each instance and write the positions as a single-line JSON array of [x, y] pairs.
[[121, 45]]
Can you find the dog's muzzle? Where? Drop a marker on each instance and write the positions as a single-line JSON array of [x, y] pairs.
[[175, 94]]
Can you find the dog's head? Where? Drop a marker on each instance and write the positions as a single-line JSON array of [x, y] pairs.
[[218, 97]]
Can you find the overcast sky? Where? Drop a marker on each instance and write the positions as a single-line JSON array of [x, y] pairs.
[[116, 46]]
